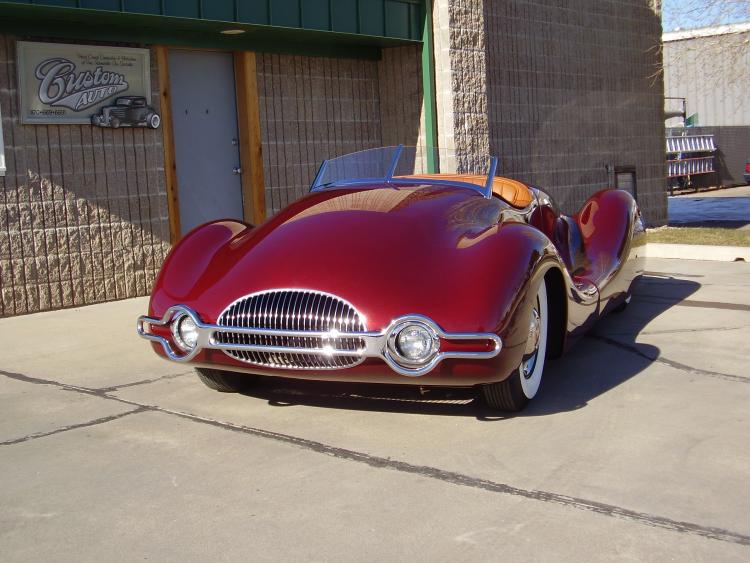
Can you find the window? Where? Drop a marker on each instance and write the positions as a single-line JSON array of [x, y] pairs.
[[625, 180]]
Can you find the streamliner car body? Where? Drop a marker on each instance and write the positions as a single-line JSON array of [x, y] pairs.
[[384, 275]]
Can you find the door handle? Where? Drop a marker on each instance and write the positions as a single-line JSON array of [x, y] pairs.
[[236, 170]]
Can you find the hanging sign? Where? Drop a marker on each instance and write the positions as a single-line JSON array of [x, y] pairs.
[[61, 83]]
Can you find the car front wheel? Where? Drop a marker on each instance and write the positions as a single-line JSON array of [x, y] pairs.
[[514, 393], [225, 381]]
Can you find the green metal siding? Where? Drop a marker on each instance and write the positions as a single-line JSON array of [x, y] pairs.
[[253, 12], [397, 19], [316, 14], [222, 10], [344, 16]]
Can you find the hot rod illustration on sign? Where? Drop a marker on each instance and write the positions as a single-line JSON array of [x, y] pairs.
[[127, 111], [387, 274]]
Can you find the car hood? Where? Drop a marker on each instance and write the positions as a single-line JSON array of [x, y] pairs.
[[388, 250]]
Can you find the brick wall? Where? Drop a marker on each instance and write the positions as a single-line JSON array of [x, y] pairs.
[[401, 100], [313, 108], [557, 91], [83, 213], [464, 76]]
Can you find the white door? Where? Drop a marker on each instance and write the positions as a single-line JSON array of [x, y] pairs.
[[204, 115]]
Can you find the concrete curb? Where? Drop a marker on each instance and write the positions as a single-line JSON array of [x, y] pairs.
[[690, 193], [698, 252]]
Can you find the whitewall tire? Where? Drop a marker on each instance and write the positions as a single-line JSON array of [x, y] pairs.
[[530, 370], [514, 393]]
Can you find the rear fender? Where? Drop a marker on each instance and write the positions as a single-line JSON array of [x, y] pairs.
[[613, 237]]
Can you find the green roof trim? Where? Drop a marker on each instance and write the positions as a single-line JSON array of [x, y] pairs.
[[137, 21], [324, 26]]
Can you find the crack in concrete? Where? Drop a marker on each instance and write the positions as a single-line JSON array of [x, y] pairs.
[[650, 298], [143, 381], [426, 471], [632, 348], [680, 330], [94, 422]]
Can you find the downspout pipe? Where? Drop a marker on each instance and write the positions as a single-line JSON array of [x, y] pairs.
[[428, 89]]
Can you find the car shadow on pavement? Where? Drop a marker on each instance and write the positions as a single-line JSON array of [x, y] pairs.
[[599, 362], [609, 355]]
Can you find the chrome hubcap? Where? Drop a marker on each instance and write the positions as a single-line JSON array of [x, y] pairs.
[[532, 343]]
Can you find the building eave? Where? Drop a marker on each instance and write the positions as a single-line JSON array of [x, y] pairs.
[[706, 32]]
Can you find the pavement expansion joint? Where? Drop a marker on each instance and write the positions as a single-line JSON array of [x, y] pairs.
[[424, 471], [649, 298], [634, 349], [677, 330], [144, 381], [86, 424]]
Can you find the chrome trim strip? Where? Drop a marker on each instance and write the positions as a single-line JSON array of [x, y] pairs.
[[319, 175], [394, 163], [376, 343], [490, 178]]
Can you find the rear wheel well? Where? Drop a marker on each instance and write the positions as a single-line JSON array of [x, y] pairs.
[[557, 311]]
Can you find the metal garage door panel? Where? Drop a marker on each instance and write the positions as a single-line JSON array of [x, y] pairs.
[[204, 109]]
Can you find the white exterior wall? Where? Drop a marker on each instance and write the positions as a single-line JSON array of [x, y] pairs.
[[712, 72]]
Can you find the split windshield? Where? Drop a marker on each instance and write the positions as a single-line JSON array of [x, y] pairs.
[[404, 165]]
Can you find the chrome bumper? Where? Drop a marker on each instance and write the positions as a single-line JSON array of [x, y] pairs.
[[375, 343]]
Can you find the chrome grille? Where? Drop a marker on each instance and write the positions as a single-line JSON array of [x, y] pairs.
[[294, 310]]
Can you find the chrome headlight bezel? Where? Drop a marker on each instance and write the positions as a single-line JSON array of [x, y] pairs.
[[177, 332], [395, 352]]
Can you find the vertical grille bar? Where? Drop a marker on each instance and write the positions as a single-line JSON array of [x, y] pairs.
[[315, 324], [255, 320], [245, 323]]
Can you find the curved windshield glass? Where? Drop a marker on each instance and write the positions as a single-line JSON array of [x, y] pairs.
[[405, 165]]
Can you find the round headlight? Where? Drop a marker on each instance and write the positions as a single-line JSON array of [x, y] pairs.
[[185, 332], [413, 344]]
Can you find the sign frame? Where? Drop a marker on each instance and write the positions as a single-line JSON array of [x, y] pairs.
[[61, 114]]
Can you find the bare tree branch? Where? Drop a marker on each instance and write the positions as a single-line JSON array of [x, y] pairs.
[[705, 12]]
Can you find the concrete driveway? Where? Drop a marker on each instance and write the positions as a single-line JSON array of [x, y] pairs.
[[636, 448]]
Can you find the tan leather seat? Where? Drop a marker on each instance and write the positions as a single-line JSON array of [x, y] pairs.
[[511, 191], [514, 192]]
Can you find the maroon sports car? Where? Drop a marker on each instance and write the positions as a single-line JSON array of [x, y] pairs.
[[383, 273]]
